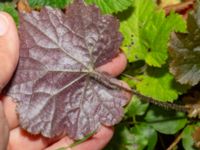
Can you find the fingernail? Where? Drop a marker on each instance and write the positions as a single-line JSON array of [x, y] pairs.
[[3, 24]]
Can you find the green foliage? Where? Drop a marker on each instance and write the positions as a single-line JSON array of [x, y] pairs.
[[146, 36], [106, 6], [187, 139], [145, 136], [53, 3], [10, 8], [165, 121], [185, 64], [111, 6], [159, 84], [136, 107], [136, 138], [123, 139]]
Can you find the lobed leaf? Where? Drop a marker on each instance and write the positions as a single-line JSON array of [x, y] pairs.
[[145, 137], [185, 53], [136, 107], [123, 139], [111, 6], [146, 36], [159, 84], [55, 86], [161, 120], [106, 6]]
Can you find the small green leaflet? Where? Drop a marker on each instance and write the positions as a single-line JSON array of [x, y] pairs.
[[146, 32], [159, 84], [139, 137], [106, 6], [10, 8], [111, 6], [136, 107], [165, 121], [185, 53], [52, 3], [145, 137], [187, 139], [122, 139]]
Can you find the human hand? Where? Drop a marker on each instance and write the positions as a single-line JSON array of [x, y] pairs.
[[19, 139]]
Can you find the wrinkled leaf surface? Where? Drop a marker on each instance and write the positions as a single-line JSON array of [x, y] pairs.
[[54, 84], [185, 53]]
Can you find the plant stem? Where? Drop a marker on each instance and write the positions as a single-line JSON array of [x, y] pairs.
[[175, 142], [130, 77], [79, 141], [166, 105], [113, 83]]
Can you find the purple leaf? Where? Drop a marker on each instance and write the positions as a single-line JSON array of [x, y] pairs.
[[55, 84]]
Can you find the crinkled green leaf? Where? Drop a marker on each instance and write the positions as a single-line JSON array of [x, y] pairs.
[[159, 84], [137, 138], [10, 8], [145, 136], [106, 6], [165, 121], [111, 6], [146, 32], [123, 139], [185, 53], [135, 107], [53, 3], [187, 139]]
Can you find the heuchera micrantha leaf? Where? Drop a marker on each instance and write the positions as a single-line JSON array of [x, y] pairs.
[[185, 51], [55, 84]]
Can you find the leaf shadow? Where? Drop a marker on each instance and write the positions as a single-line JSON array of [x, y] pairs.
[[124, 15]]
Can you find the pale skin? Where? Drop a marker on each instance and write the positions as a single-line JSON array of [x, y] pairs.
[[12, 137]]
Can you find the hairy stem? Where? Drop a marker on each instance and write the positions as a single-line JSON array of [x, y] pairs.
[[115, 84]]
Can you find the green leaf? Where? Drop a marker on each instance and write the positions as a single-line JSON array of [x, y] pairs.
[[106, 6], [123, 139], [145, 136], [159, 84], [10, 8], [187, 139], [136, 107], [146, 36], [52, 3], [165, 121], [137, 138], [185, 53], [111, 6]]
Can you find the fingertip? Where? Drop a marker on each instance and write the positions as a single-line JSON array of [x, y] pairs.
[[116, 66], [21, 140]]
